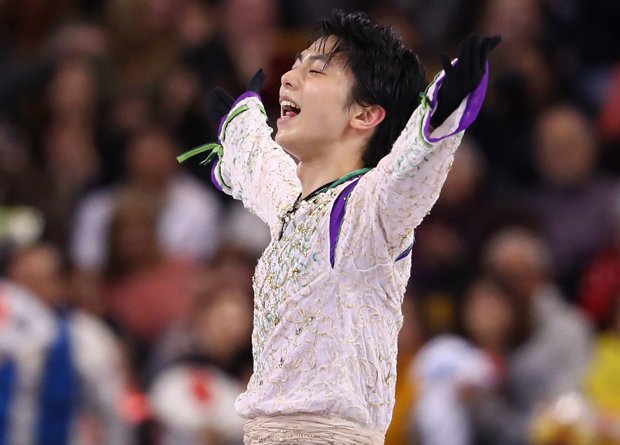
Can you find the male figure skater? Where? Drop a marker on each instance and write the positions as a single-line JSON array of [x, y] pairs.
[[356, 164]]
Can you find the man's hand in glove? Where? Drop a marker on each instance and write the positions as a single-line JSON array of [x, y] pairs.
[[219, 101], [462, 78]]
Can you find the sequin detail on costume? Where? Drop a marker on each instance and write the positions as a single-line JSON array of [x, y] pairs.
[[325, 338]]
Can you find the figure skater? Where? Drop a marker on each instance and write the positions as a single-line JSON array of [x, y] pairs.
[[361, 153]]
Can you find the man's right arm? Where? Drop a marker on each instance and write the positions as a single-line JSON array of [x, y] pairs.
[[253, 167]]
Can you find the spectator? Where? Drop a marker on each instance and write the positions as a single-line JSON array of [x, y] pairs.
[[609, 123], [62, 136], [553, 350], [27, 330], [145, 290], [601, 382], [574, 202], [443, 369], [187, 226], [71, 380], [180, 103], [492, 318], [214, 354], [216, 332], [142, 45], [195, 406], [601, 277], [583, 45], [522, 82], [453, 372]]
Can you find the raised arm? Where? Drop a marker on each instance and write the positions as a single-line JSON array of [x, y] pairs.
[[249, 164], [407, 182]]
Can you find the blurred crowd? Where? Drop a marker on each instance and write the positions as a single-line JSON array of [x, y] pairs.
[[125, 279]]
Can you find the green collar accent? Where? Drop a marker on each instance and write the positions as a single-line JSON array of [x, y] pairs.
[[348, 176], [335, 183]]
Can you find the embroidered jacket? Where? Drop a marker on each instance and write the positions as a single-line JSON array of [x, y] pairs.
[[328, 288]]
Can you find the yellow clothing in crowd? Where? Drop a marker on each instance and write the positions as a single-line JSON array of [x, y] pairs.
[[603, 379], [400, 429]]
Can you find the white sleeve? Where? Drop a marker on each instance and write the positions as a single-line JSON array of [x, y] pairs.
[[253, 167], [406, 183]]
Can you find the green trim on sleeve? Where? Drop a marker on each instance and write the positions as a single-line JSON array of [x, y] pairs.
[[221, 178], [425, 103], [242, 109], [237, 112], [213, 149]]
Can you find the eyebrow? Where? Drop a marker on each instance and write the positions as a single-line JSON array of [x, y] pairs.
[[322, 57]]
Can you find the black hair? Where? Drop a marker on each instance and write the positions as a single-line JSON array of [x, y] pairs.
[[386, 73]]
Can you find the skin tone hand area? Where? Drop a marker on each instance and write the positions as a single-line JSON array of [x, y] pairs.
[[320, 126]]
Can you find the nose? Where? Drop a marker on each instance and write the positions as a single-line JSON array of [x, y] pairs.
[[289, 79]]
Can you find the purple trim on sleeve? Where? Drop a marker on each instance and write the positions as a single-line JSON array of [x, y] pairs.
[[245, 95], [475, 99], [474, 102], [220, 127], [406, 252], [336, 218], [214, 180]]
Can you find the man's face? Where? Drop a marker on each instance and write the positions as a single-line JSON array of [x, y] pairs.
[[314, 103]]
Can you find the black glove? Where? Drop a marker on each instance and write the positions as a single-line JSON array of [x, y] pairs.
[[219, 101], [464, 77]]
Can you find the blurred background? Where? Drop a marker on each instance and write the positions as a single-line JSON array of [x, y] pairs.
[[125, 289]]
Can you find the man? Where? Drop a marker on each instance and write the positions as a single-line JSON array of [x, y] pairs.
[[329, 287]]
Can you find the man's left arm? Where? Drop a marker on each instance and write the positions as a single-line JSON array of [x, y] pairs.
[[412, 175]]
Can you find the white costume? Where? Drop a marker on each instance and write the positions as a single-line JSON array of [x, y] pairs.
[[328, 288]]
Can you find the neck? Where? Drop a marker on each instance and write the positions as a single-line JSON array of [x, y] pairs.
[[318, 172]]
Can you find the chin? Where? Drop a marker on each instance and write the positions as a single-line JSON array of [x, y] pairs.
[[281, 140], [286, 145], [291, 153]]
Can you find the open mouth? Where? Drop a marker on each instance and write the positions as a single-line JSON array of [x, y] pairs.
[[289, 109]]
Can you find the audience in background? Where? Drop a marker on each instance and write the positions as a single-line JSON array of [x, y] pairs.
[[207, 365], [98, 97], [186, 225], [144, 290], [447, 242], [601, 277], [553, 345], [69, 378], [411, 338], [574, 203], [601, 384]]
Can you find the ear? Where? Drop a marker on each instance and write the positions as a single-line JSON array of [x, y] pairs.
[[367, 117]]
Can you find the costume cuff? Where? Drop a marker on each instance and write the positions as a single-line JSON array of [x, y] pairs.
[[216, 177], [459, 119], [236, 109]]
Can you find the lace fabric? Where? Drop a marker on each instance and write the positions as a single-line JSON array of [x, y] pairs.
[[308, 430]]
